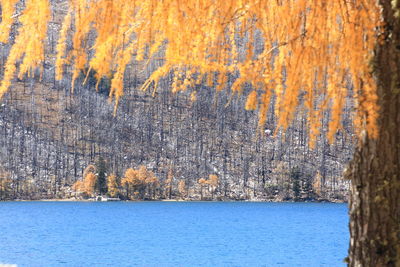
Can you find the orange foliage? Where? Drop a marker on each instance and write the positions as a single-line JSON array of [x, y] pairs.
[[112, 185], [7, 10], [29, 42], [213, 180], [90, 168], [131, 177], [78, 186], [251, 103], [182, 188], [61, 46], [88, 183], [138, 180], [308, 47]]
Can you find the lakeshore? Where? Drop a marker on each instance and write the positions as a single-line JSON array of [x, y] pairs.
[[171, 200]]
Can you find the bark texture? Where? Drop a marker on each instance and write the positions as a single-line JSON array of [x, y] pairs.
[[375, 169]]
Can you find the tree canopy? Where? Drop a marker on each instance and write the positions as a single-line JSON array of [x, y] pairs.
[[302, 53]]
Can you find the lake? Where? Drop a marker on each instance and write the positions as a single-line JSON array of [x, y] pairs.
[[77, 234]]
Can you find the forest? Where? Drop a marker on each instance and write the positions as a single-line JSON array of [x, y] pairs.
[[51, 134]]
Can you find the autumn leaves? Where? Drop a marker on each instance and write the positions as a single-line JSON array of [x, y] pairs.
[[282, 49], [142, 184], [29, 41]]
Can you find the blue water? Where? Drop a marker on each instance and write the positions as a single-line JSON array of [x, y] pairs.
[[77, 234]]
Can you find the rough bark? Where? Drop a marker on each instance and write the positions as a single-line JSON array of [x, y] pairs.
[[375, 169]]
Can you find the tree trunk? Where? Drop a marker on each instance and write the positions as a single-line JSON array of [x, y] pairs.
[[375, 169]]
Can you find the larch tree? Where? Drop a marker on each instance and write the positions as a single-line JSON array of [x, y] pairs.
[[130, 181], [152, 183], [297, 54], [88, 183], [182, 188], [113, 185]]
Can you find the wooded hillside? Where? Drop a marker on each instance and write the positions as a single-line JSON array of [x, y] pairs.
[[50, 135]]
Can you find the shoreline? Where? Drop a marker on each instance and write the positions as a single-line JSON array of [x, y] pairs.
[[168, 200]]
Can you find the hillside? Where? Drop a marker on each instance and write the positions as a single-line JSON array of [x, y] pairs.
[[49, 135]]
